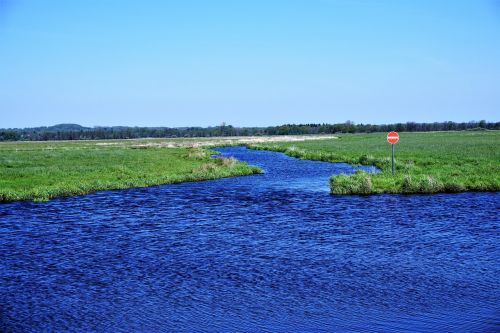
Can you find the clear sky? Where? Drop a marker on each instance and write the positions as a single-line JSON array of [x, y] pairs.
[[247, 62]]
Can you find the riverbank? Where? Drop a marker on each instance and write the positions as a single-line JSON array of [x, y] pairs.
[[431, 162], [40, 172], [425, 163]]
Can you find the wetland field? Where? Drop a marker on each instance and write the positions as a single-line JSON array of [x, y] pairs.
[[47, 169], [431, 162], [427, 162]]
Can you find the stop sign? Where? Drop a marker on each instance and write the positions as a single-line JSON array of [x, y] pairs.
[[393, 137]]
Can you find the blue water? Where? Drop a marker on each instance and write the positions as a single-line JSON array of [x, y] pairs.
[[264, 253]]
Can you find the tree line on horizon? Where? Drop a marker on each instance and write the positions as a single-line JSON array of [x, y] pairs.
[[77, 132]]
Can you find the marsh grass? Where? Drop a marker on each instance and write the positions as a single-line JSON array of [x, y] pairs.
[[40, 171], [359, 183], [425, 162]]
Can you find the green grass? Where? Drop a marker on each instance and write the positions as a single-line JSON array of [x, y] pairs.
[[425, 162], [43, 170]]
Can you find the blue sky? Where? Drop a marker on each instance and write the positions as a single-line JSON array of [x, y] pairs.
[[248, 63]]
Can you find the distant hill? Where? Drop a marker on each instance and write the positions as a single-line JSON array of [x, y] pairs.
[[67, 127]]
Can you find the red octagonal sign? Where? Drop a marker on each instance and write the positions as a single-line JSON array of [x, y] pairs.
[[393, 137]]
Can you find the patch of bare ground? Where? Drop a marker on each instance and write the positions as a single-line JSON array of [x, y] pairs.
[[225, 141]]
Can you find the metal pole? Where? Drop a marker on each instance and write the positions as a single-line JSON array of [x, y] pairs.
[[393, 159]]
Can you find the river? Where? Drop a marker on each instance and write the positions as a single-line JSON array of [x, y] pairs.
[[273, 252]]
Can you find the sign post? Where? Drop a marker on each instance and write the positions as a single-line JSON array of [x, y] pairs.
[[392, 138], [392, 159]]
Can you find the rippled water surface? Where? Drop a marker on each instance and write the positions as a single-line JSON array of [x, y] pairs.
[[272, 252]]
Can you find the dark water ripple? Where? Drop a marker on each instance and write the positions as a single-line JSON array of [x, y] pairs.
[[264, 253]]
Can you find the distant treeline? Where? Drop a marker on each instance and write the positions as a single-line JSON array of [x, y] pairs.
[[77, 132]]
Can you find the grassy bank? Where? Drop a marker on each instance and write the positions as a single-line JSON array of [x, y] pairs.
[[43, 170], [425, 162]]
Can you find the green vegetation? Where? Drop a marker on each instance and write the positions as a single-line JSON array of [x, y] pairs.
[[43, 170], [425, 162], [77, 132]]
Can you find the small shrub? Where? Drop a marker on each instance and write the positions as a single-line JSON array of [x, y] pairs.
[[407, 185], [454, 187], [216, 164], [206, 168], [224, 161], [429, 185], [196, 153], [425, 184], [365, 183], [295, 152], [357, 183]]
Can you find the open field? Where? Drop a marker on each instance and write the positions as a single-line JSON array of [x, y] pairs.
[[40, 172], [48, 169], [425, 163], [429, 162]]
